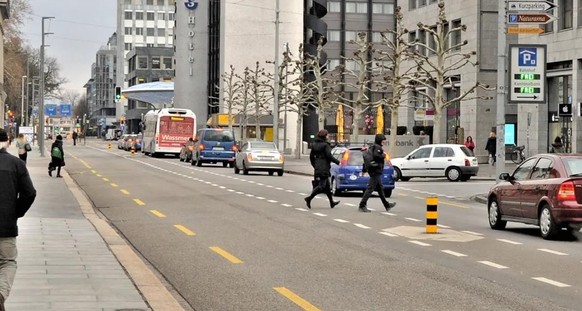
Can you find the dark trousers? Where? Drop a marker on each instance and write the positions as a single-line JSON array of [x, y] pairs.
[[56, 164], [23, 156], [74, 141], [322, 185], [375, 184]]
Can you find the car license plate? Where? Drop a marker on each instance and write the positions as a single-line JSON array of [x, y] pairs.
[[218, 148], [353, 177]]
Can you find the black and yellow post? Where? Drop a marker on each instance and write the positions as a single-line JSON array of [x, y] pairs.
[[132, 150], [431, 214], [109, 146]]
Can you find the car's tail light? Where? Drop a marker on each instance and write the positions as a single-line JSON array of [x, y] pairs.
[[345, 158], [566, 192], [467, 162], [191, 148], [234, 148], [250, 156], [201, 147], [281, 158]]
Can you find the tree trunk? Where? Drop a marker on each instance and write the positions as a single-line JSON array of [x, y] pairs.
[[436, 128], [393, 130], [299, 142], [355, 124]]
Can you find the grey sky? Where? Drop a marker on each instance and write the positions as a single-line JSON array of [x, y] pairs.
[[80, 28]]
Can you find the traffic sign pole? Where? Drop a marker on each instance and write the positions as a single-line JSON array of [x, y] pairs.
[[501, 87]]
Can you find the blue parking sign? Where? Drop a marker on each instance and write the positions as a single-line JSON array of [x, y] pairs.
[[528, 57]]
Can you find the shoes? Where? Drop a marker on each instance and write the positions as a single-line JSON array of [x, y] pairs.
[[308, 202], [332, 204], [59, 176], [364, 210], [50, 173], [389, 206]]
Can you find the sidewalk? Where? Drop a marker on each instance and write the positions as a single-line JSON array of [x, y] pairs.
[[64, 263], [303, 167]]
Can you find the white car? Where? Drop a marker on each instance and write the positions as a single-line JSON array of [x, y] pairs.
[[455, 162]]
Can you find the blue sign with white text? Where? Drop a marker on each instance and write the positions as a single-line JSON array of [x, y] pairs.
[[50, 110], [65, 110], [528, 57]]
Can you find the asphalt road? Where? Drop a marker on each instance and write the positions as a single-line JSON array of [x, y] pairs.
[[236, 242]]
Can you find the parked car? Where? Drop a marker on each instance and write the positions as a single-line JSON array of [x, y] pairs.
[[214, 145], [259, 156], [121, 141], [129, 142], [136, 142], [347, 175], [545, 190], [186, 151], [455, 162]]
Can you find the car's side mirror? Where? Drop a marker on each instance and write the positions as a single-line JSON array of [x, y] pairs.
[[409, 157], [504, 176]]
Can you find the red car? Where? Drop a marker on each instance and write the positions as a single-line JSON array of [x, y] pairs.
[[545, 190]]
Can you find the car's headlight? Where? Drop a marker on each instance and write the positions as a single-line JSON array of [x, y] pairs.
[[281, 158]]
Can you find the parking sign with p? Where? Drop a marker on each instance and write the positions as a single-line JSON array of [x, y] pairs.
[[527, 57]]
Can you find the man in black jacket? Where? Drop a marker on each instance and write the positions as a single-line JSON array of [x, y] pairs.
[[321, 158], [16, 196], [375, 170]]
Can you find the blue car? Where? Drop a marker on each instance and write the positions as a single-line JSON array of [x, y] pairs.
[[347, 175], [214, 145]]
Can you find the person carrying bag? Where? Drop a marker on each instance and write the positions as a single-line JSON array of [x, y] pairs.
[[23, 147]]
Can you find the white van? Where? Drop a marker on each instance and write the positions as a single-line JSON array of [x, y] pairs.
[[112, 134]]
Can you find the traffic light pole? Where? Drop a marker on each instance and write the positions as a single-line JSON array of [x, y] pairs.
[[501, 87], [41, 134]]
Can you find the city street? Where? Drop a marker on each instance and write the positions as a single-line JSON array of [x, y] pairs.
[[248, 242]]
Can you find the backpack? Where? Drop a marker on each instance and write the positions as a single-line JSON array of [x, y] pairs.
[[368, 155], [56, 152]]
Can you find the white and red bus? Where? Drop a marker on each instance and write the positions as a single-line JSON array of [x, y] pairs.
[[166, 130]]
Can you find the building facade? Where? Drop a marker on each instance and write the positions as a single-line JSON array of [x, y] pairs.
[[141, 23]]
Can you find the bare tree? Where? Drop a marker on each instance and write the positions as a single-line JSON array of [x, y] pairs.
[[437, 68], [260, 94], [81, 107], [230, 93], [243, 104]]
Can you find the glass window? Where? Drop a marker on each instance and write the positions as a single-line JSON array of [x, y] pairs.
[[356, 158], [411, 4], [542, 169], [333, 7], [128, 30], [421, 3], [350, 7], [579, 13], [440, 152], [161, 32], [522, 172], [167, 63], [377, 37], [263, 145], [150, 2], [431, 42], [150, 32], [160, 2], [161, 16], [138, 15], [128, 15], [351, 35], [156, 62], [421, 153], [467, 151], [142, 62], [151, 16], [456, 36], [566, 15], [139, 31], [362, 8], [219, 135], [171, 16], [332, 63], [333, 35], [573, 166]]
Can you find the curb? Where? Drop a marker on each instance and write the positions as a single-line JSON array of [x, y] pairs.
[[151, 288], [479, 199]]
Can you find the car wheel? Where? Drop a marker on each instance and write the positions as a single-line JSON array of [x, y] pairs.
[[548, 227], [280, 173], [334, 188], [224, 164], [453, 174], [236, 169], [387, 193], [245, 169], [397, 174], [494, 212], [271, 173]]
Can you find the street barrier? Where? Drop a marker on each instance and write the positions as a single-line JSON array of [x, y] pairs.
[[431, 214], [132, 150], [109, 146]]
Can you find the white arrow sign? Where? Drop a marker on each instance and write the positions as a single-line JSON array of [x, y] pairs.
[[530, 6]]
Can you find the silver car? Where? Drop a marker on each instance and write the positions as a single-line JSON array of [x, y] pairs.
[[259, 156]]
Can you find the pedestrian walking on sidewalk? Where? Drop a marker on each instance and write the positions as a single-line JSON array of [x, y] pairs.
[[321, 158], [75, 136], [375, 168], [23, 147], [17, 195], [491, 147], [470, 144], [557, 146], [57, 157]]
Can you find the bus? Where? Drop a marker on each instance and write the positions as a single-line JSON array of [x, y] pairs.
[[166, 130]]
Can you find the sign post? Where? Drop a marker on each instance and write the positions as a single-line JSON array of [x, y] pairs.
[[527, 73]]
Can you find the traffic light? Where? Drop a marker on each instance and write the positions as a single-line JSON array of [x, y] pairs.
[[117, 92]]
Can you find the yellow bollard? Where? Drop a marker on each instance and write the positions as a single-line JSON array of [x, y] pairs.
[[109, 146], [431, 214], [132, 150]]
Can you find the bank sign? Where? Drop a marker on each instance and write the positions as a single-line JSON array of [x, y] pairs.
[[527, 75]]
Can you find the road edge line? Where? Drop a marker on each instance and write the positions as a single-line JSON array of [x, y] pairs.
[[147, 283]]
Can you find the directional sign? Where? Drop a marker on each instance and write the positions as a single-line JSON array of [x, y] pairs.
[[530, 6], [565, 110], [530, 18], [525, 30], [527, 73]]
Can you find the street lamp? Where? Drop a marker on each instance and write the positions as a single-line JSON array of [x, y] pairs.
[[22, 102]]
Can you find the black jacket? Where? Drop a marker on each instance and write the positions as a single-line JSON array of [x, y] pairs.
[[58, 144], [378, 159], [321, 158], [491, 145], [16, 193]]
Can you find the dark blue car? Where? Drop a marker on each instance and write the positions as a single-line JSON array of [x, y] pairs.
[[347, 175]]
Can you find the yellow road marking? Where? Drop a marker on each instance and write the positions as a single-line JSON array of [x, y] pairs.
[[105, 179], [94, 171], [304, 304], [114, 185], [225, 254], [124, 191], [139, 202], [185, 230], [157, 213]]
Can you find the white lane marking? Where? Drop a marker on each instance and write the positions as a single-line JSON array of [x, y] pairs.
[[269, 186], [361, 226], [419, 243], [259, 198], [291, 191], [349, 204], [301, 193], [272, 201], [372, 209], [250, 195], [251, 182], [278, 188], [552, 252], [301, 209], [388, 234], [551, 282], [453, 253], [222, 187], [387, 213], [286, 205], [450, 197], [413, 219], [492, 264], [260, 184], [320, 214], [341, 220], [238, 192], [208, 182], [214, 185], [231, 190], [443, 226], [473, 233], [509, 241]]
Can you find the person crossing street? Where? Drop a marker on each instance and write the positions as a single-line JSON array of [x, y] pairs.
[[321, 158], [375, 169]]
